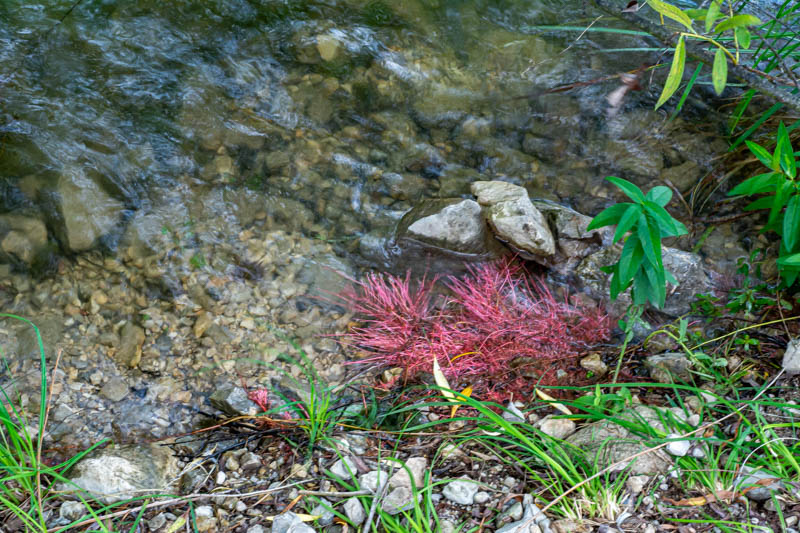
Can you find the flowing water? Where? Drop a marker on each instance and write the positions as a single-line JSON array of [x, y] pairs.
[[182, 181]]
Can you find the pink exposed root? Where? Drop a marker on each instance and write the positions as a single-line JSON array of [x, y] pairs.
[[495, 320]]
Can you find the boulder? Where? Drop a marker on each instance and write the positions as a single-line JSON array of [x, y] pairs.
[[513, 217], [22, 238], [86, 211], [455, 225], [123, 472], [573, 242]]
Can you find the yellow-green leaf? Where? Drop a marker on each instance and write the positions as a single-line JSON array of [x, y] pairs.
[[675, 73], [712, 15], [441, 381], [719, 73], [743, 36], [467, 392], [670, 11], [736, 21]]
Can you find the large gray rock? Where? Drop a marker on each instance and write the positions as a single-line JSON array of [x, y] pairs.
[[685, 266], [458, 226], [87, 212], [23, 238], [573, 242], [513, 217], [123, 472], [605, 442], [233, 400]]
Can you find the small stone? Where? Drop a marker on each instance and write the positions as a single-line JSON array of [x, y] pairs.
[[568, 526], [481, 497], [299, 471], [667, 367], [115, 389], [354, 511], [129, 350], [678, 448], [157, 522], [594, 364], [233, 400], [791, 357], [399, 499], [749, 477], [328, 47], [324, 509], [205, 519], [282, 522], [258, 528], [222, 477], [249, 462], [371, 480], [342, 468], [416, 466], [300, 528], [461, 491], [72, 511], [636, 484], [202, 323], [558, 428], [693, 420], [512, 413]]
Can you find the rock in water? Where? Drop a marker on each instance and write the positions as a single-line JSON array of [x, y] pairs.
[[123, 472], [458, 226], [87, 211], [514, 218]]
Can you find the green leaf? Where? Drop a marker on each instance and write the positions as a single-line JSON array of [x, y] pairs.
[[719, 72], [642, 291], [660, 195], [650, 236], [672, 12], [670, 278], [627, 221], [696, 14], [675, 73], [791, 223], [743, 36], [736, 21], [789, 276], [630, 260], [779, 201], [784, 152], [608, 216], [761, 153], [790, 260], [756, 184], [658, 284], [669, 226], [631, 191], [712, 15], [762, 203]]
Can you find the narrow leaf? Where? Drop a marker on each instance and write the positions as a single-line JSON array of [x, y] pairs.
[[756, 184], [712, 15], [790, 260], [675, 73], [743, 36], [762, 203], [631, 191], [719, 72], [672, 12], [791, 223], [441, 381], [784, 152], [627, 221], [737, 21], [630, 260], [546, 397], [779, 201], [608, 216], [650, 237]]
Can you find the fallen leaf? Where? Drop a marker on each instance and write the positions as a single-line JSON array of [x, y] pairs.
[[466, 392], [302, 517], [441, 381], [176, 525], [560, 406]]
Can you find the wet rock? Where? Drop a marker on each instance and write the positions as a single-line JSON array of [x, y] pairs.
[[115, 389], [23, 238], [354, 511], [573, 242], [404, 186], [514, 218], [326, 275], [461, 491], [328, 46], [667, 367], [129, 350], [683, 176], [686, 267], [123, 472], [86, 211], [456, 225], [594, 363], [233, 401], [51, 328], [559, 428], [607, 443], [791, 357]]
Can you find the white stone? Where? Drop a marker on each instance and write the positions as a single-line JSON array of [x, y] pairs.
[[416, 466], [791, 357], [678, 448], [354, 511], [558, 428], [344, 468], [461, 491]]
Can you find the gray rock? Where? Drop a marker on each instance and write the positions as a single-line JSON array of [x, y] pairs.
[[115, 389], [326, 275], [399, 499], [233, 400], [678, 448], [416, 467], [282, 522], [458, 226], [489, 193], [532, 516], [24, 237], [51, 328], [123, 472], [87, 212], [249, 462], [157, 522], [573, 242], [559, 428], [512, 413], [72, 511], [606, 443], [750, 476], [686, 267], [373, 480], [129, 351], [667, 367], [461, 491], [520, 224], [342, 468], [791, 357], [354, 511], [258, 528], [324, 509], [594, 363], [300, 528]]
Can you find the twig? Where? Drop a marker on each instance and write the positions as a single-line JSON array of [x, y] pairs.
[[334, 494], [42, 427], [378, 497], [182, 499]]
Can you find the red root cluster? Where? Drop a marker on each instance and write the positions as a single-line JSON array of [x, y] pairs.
[[499, 329]]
